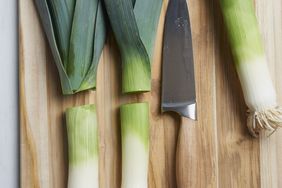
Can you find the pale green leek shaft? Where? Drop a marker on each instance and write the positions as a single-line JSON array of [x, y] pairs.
[[135, 145], [82, 133], [83, 150], [243, 30]]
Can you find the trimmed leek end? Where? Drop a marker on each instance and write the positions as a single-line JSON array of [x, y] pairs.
[[82, 133], [136, 76], [135, 145], [251, 64]]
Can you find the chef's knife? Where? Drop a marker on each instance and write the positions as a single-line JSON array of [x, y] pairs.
[[178, 87]]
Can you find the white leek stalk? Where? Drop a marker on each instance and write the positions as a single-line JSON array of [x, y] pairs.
[[251, 63], [83, 147], [135, 145]]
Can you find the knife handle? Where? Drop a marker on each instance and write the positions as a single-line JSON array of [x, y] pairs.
[[186, 155]]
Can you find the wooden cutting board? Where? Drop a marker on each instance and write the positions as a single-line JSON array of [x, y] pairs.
[[224, 153]]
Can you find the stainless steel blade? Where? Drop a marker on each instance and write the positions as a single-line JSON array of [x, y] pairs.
[[178, 85]]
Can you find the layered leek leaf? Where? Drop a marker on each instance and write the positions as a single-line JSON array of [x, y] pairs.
[[76, 33], [134, 25]]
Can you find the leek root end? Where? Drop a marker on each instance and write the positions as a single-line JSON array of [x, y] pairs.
[[269, 120]]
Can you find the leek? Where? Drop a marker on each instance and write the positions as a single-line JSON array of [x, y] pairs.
[[144, 9], [134, 24], [135, 145], [251, 65], [76, 33], [82, 134]]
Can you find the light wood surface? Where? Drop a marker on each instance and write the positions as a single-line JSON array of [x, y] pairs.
[[222, 154], [270, 19]]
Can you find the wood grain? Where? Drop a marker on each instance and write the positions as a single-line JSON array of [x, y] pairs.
[[222, 152], [270, 19], [201, 166]]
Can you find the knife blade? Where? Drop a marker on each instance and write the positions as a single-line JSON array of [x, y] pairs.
[[178, 82]]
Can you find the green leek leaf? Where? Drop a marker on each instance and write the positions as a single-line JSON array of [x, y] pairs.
[[143, 10], [126, 26], [62, 14], [76, 33], [46, 20], [81, 41], [136, 63], [99, 41]]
